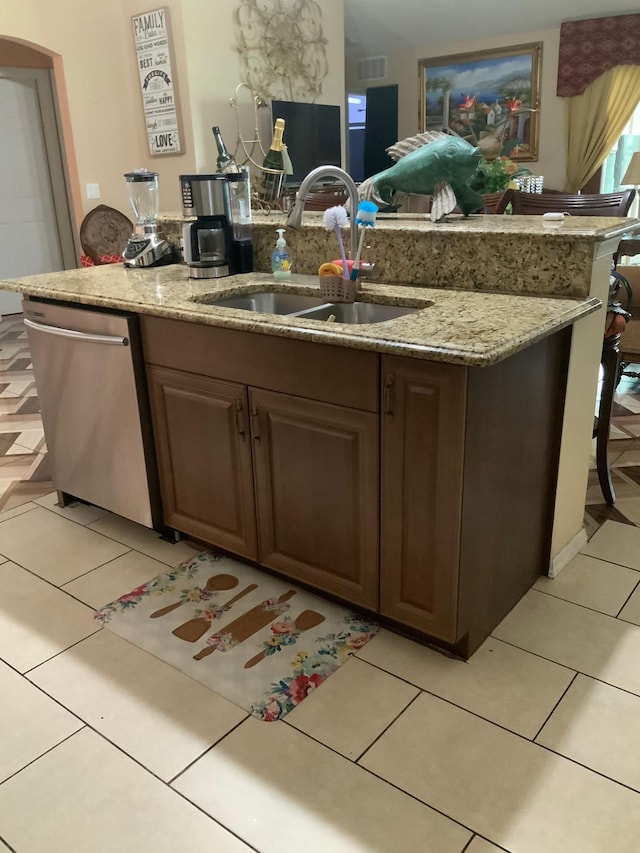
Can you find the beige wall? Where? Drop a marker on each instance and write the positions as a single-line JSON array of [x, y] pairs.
[[402, 68], [95, 44]]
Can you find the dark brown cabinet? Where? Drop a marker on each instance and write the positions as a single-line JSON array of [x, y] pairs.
[[468, 474], [289, 481], [316, 475], [423, 420], [421, 490], [204, 454]]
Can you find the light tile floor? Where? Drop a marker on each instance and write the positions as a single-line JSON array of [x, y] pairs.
[[532, 746]]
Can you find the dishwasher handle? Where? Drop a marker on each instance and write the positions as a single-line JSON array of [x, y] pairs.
[[77, 336]]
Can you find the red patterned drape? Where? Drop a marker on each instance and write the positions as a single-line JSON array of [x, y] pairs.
[[588, 48]]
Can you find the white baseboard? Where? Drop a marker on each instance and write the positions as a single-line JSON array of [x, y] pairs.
[[568, 553]]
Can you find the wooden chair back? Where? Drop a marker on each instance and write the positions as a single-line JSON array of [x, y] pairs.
[[496, 202], [593, 204]]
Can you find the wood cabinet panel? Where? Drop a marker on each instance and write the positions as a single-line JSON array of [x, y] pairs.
[[512, 446], [316, 474], [204, 450], [346, 377], [423, 422]]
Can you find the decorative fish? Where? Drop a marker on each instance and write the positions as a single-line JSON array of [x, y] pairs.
[[434, 164]]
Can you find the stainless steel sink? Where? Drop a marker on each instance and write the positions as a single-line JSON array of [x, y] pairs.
[[265, 301], [308, 307], [357, 312]]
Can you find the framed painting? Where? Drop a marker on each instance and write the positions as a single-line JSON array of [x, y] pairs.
[[491, 98]]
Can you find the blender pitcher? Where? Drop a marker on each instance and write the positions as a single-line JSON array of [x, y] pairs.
[[147, 245]]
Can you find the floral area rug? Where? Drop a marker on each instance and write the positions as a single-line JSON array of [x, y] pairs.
[[259, 641]]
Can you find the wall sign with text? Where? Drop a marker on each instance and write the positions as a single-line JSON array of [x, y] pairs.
[[152, 38]]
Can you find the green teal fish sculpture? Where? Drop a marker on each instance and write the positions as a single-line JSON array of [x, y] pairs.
[[441, 167]]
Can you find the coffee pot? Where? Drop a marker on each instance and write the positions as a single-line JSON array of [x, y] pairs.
[[216, 235]]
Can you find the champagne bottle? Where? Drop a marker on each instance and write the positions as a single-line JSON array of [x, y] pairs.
[[225, 161], [272, 183]]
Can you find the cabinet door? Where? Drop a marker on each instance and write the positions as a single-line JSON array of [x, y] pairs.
[[316, 473], [204, 452], [423, 423]]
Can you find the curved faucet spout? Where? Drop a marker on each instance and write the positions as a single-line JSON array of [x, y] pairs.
[[294, 220]]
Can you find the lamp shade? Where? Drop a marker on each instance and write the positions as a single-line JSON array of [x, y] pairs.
[[632, 175]]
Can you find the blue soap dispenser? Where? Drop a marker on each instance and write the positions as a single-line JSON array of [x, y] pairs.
[[281, 259]]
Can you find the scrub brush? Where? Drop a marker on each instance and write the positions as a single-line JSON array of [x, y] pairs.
[[365, 218], [334, 219]]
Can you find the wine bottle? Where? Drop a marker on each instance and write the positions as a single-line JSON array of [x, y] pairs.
[[225, 161], [272, 182]]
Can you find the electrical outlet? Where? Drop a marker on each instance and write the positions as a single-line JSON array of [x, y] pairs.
[[93, 190]]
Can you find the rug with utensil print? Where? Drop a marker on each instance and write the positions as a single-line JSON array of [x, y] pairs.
[[259, 641]]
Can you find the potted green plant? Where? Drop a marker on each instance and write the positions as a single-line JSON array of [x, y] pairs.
[[493, 176]]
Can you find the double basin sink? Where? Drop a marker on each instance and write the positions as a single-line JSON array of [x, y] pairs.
[[309, 307]]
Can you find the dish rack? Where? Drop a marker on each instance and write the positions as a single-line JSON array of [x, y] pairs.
[[334, 288]]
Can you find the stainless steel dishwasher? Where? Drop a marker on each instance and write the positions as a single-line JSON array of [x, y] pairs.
[[90, 380]]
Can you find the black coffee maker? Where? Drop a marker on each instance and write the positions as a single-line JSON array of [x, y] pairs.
[[218, 241]]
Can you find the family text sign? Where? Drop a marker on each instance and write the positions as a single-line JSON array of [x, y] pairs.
[[152, 38]]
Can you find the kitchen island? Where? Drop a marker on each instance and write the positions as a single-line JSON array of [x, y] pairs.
[[408, 466]]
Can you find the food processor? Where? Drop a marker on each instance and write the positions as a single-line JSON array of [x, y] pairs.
[[147, 246]]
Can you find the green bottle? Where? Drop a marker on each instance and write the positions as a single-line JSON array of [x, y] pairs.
[[271, 185], [225, 162]]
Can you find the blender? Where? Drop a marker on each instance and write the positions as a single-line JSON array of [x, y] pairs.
[[147, 246]]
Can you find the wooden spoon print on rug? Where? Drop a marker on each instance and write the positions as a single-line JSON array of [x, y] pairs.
[[244, 626], [192, 630], [215, 583], [306, 620]]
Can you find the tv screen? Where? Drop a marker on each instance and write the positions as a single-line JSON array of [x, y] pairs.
[[311, 134]]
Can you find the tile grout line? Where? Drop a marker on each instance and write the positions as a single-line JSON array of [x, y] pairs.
[[510, 731], [626, 601], [576, 603], [208, 749], [7, 845], [57, 654], [591, 769], [578, 671], [483, 838], [551, 713], [386, 729], [46, 752], [381, 778], [475, 713], [51, 583], [88, 726]]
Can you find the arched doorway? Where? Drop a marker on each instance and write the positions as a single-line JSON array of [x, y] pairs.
[[36, 223]]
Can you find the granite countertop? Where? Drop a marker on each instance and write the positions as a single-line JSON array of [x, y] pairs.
[[596, 227], [456, 326], [508, 254]]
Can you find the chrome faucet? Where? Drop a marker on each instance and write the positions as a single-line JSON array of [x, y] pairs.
[[294, 220]]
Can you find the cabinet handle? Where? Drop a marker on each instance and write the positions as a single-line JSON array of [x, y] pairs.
[[240, 422], [387, 400], [255, 425]]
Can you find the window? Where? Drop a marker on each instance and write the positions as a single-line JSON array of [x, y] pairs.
[[615, 165]]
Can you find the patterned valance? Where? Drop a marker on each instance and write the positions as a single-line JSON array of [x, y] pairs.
[[588, 48]]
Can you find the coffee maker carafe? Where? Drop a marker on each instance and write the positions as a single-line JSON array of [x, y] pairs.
[[218, 242]]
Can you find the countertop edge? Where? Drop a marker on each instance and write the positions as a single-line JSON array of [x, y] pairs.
[[267, 324]]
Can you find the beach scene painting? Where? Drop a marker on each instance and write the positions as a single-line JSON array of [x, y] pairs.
[[490, 98]]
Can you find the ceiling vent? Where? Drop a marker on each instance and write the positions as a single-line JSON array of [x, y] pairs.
[[371, 68]]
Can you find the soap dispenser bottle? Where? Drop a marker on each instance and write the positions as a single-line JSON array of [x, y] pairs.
[[281, 259]]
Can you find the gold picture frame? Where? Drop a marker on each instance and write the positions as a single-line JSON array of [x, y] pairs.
[[491, 98]]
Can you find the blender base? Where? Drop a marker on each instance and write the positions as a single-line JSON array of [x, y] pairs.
[[150, 250]]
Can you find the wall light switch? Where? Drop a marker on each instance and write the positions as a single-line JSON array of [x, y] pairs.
[[93, 190]]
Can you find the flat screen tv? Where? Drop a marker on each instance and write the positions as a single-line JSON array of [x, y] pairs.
[[312, 135]]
